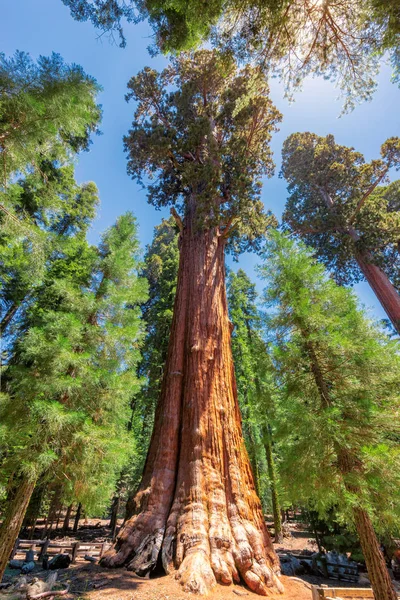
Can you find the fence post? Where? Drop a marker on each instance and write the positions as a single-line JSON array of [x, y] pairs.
[[75, 548], [43, 549]]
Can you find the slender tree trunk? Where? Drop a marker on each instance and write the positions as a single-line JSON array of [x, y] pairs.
[[67, 518], [276, 509], [382, 287], [378, 574], [77, 517], [13, 520], [6, 320], [33, 511], [197, 507]]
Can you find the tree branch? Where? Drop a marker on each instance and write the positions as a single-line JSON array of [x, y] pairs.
[[367, 194], [177, 218]]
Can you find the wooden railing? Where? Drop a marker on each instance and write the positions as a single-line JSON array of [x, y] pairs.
[[77, 550]]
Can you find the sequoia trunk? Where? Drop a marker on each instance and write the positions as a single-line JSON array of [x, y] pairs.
[[383, 288], [196, 509], [379, 575], [13, 520]]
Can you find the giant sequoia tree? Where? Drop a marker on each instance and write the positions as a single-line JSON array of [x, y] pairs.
[[201, 134], [338, 205]]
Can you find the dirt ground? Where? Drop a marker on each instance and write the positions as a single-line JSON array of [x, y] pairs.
[[122, 585], [88, 581]]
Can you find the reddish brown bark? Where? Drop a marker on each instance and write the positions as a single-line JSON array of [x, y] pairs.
[[383, 288], [13, 520], [377, 571], [197, 509]]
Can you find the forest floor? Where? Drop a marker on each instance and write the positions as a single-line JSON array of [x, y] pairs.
[[88, 581]]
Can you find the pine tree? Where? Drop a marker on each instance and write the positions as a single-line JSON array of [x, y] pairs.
[[338, 206], [338, 411], [201, 134], [47, 208], [48, 111], [71, 375]]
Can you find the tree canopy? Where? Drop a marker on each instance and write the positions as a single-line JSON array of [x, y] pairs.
[[343, 41], [207, 139], [48, 110], [341, 205]]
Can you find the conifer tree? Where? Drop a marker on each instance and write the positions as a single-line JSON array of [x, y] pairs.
[[255, 386], [160, 268], [294, 38], [339, 381], [338, 205], [48, 111], [68, 384], [47, 208], [201, 134]]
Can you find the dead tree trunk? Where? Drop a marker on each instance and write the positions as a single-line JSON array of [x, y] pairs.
[[197, 508], [13, 520]]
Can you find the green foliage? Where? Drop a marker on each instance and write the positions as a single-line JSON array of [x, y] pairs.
[[342, 41], [338, 376], [72, 371], [160, 269], [205, 141], [49, 210], [337, 205], [253, 371], [47, 111]]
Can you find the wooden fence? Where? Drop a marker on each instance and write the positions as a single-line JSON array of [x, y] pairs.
[[328, 593], [77, 550]]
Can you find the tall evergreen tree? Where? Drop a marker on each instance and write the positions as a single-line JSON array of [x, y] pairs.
[[201, 134], [48, 110], [255, 386], [67, 388], [48, 208], [338, 206], [339, 381], [160, 268]]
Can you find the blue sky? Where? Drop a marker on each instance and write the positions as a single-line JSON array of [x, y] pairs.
[[43, 26]]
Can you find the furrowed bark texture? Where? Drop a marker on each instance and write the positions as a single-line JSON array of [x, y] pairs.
[[379, 575], [13, 520], [197, 510]]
